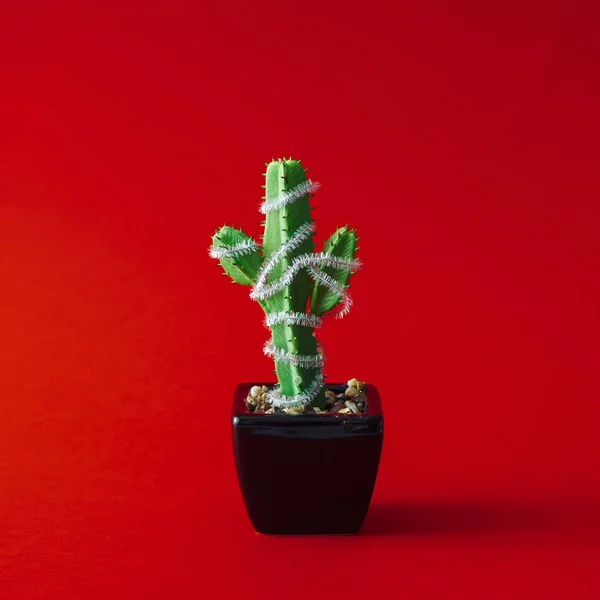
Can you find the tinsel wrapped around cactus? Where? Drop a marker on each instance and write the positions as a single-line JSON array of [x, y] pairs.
[[294, 285]]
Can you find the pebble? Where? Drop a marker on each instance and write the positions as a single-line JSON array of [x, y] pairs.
[[264, 389], [309, 408], [355, 383], [352, 406], [343, 411], [330, 396], [360, 399], [341, 395], [336, 407], [351, 392], [293, 410], [255, 391], [271, 411]]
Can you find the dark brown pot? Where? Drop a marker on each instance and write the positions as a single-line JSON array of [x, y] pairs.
[[307, 473]]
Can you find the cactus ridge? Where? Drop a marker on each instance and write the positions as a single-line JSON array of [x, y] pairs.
[[293, 284]]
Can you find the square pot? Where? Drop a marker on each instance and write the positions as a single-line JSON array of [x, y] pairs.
[[310, 473]]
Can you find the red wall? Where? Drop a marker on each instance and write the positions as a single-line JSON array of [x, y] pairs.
[[459, 137]]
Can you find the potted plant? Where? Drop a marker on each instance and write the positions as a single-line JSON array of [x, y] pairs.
[[306, 453]]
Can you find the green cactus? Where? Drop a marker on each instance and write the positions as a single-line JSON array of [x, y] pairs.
[[294, 285]]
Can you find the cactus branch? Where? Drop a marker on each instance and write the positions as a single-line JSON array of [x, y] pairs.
[[239, 255], [337, 289], [330, 284]]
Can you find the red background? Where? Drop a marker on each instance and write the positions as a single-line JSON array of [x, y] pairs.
[[459, 137]]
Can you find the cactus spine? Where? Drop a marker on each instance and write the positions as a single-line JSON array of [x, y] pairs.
[[293, 285]]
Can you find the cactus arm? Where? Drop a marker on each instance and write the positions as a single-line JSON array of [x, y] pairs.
[[341, 244], [238, 254]]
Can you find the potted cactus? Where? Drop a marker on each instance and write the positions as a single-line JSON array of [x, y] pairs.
[[306, 452]]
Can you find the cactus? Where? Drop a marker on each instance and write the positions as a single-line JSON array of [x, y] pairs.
[[294, 285]]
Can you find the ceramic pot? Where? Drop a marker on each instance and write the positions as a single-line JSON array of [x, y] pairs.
[[307, 474]]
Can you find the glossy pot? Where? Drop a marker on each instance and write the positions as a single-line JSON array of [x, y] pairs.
[[307, 474]]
